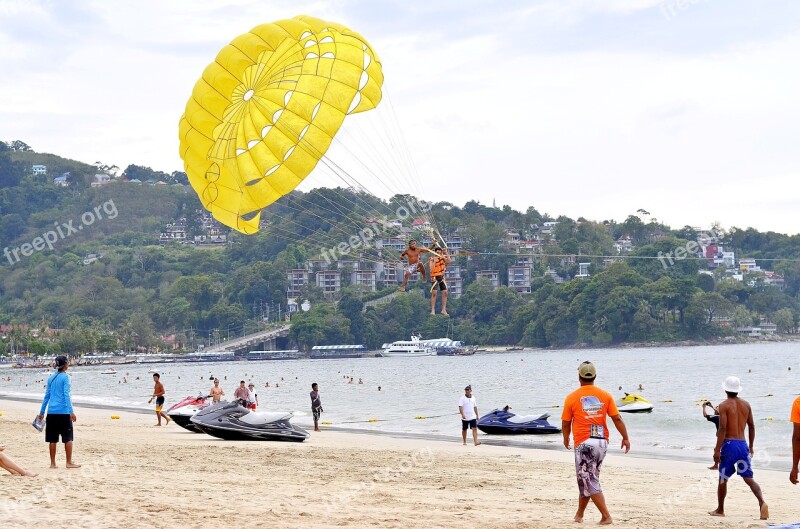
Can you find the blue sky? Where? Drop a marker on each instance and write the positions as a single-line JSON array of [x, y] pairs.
[[686, 108]]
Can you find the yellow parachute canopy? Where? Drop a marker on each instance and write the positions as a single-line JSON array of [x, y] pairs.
[[266, 110]]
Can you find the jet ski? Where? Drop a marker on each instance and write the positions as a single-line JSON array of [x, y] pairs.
[[233, 422], [633, 403], [503, 422], [181, 412]]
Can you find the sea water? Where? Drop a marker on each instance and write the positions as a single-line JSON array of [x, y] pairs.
[[675, 379]]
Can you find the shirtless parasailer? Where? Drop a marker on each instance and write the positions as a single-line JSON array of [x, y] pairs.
[[412, 253]]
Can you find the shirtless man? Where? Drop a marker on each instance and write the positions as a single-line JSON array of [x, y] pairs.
[[412, 253], [158, 394], [732, 452], [216, 392]]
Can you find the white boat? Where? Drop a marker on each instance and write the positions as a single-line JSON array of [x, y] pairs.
[[413, 347], [111, 371]]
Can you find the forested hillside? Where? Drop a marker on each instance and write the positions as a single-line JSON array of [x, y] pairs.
[[108, 284]]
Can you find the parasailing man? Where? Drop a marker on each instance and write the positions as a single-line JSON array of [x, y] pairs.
[[438, 265], [412, 254]]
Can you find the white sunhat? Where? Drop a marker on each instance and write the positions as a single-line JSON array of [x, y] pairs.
[[732, 385]]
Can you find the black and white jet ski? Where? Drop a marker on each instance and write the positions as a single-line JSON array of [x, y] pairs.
[[233, 422]]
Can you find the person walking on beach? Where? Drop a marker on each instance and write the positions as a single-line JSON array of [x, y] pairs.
[[60, 415], [412, 254], [438, 265], [216, 392], [316, 405], [713, 418], [242, 394], [795, 418], [14, 469], [732, 452], [252, 397], [469, 415], [584, 416], [158, 394]]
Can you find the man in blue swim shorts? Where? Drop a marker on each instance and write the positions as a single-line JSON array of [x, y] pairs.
[[732, 452]]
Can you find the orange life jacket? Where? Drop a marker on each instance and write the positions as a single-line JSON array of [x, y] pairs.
[[438, 266]]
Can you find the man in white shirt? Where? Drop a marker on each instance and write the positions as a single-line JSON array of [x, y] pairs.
[[469, 415], [252, 397]]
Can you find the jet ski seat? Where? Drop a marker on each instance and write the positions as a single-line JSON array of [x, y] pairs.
[[257, 418], [520, 419]]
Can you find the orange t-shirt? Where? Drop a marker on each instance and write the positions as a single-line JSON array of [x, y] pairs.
[[587, 407], [796, 411]]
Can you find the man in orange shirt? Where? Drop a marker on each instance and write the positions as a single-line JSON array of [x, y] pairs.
[[585, 412], [795, 440]]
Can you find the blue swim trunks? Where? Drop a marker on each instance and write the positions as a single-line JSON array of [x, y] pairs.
[[735, 459]]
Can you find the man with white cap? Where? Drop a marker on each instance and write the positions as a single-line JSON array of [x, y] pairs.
[[733, 452]]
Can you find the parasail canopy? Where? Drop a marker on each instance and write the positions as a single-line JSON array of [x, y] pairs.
[[267, 109]]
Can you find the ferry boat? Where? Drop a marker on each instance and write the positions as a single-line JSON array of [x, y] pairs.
[[290, 354], [338, 351], [448, 347], [414, 347]]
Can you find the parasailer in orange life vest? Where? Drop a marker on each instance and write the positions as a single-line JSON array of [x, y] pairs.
[[438, 266]]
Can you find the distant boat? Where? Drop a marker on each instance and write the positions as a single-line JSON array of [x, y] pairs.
[[111, 371], [319, 352], [414, 347], [515, 348]]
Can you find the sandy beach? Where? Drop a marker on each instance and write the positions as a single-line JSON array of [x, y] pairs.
[[135, 475]]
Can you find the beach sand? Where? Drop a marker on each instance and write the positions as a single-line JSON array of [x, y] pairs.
[[135, 475]]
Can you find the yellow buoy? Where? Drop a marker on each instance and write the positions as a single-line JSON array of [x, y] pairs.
[[419, 417], [555, 406], [115, 416], [327, 422], [373, 420], [667, 401]]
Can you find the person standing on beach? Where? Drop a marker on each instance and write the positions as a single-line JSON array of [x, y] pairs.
[[241, 393], [714, 418], [585, 412], [469, 415], [252, 397], [732, 452], [60, 415], [795, 418], [158, 394], [316, 405], [216, 392]]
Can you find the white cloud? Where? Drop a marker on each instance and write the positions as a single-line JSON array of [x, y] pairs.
[[531, 104]]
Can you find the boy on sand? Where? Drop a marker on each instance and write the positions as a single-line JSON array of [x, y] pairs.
[[412, 253], [316, 405], [60, 415], [158, 394], [732, 452], [585, 412], [795, 418]]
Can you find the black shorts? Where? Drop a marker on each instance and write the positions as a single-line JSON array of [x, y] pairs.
[[466, 425], [439, 281], [58, 425]]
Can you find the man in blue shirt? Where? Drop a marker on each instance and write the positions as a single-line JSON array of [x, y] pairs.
[[60, 416]]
